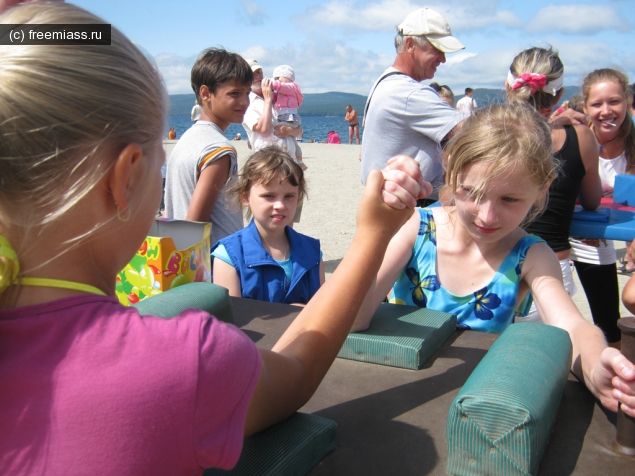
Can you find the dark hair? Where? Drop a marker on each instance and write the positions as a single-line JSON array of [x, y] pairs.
[[435, 86], [631, 93], [216, 66], [468, 90]]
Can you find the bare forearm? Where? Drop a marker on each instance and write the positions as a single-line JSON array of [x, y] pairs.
[[264, 125], [588, 343], [317, 334]]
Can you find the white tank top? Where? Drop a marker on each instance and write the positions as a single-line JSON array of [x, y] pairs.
[[609, 168]]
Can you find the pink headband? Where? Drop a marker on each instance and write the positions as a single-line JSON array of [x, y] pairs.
[[536, 81]]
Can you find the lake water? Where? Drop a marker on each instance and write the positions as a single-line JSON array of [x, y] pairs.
[[315, 127]]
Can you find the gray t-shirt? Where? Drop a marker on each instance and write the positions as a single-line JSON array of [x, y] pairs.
[[201, 145], [406, 117]]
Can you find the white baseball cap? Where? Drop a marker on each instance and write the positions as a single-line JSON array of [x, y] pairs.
[[253, 64], [428, 23]]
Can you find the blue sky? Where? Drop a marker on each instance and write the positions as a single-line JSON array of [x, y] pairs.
[[344, 45]]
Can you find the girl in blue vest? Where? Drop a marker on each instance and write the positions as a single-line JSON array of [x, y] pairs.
[[268, 260], [470, 256]]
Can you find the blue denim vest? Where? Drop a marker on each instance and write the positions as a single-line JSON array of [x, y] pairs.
[[262, 278]]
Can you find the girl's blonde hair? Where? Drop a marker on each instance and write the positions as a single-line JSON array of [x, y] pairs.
[[446, 93], [264, 167], [66, 112], [501, 136], [627, 130], [540, 61]]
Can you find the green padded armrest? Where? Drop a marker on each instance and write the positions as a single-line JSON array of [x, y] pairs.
[[292, 447], [206, 296], [400, 336], [500, 421]]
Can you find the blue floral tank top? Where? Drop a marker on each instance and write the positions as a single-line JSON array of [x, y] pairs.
[[490, 309]]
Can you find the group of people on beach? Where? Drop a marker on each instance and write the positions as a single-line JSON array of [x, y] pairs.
[[91, 384]]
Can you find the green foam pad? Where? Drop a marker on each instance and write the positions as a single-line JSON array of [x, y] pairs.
[[400, 336], [292, 447], [500, 421], [206, 296]]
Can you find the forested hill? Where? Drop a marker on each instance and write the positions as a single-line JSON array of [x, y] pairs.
[[323, 104], [334, 103], [485, 96]]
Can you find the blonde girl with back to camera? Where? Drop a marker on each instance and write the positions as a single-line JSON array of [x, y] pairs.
[[88, 383], [470, 257], [536, 78]]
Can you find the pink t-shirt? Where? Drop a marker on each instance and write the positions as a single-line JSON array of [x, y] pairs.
[[91, 387]]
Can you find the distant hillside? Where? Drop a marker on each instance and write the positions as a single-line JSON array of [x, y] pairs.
[[323, 104], [484, 96], [331, 104], [334, 103]]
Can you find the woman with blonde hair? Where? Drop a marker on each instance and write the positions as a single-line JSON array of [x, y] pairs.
[[536, 78], [606, 103]]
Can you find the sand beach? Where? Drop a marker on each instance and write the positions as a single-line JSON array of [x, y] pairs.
[[334, 193]]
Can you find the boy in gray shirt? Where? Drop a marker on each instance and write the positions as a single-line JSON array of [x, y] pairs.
[[203, 159]]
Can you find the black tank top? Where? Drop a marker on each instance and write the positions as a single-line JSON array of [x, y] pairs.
[[553, 225]]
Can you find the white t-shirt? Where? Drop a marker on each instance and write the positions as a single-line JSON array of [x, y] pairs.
[[201, 145], [406, 117], [257, 140], [466, 105]]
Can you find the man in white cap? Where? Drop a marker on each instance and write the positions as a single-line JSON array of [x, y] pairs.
[[258, 120], [402, 116]]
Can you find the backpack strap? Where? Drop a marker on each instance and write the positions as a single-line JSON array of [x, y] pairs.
[[370, 96]]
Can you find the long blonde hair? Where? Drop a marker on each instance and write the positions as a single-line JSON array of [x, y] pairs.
[[65, 114], [501, 136], [627, 130]]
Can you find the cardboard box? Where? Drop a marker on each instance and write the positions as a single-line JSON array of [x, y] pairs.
[[176, 252]]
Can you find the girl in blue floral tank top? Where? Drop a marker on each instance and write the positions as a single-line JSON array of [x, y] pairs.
[[471, 257], [490, 309]]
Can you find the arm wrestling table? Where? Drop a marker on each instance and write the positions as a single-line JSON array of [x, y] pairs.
[[618, 223], [393, 421]]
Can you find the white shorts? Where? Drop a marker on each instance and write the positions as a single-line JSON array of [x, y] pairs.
[[569, 286]]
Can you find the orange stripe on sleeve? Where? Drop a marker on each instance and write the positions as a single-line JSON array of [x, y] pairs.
[[214, 155]]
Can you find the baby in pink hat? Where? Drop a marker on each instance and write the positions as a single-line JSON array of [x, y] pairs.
[[287, 99]]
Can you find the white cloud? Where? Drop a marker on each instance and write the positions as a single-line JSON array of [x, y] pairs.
[[459, 57], [486, 69], [176, 70], [331, 65], [387, 14], [577, 20], [252, 13], [324, 66], [582, 57]]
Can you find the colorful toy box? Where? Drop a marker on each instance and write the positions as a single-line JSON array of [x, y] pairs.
[[176, 252]]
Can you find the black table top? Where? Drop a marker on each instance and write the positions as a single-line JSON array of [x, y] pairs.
[[392, 421]]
